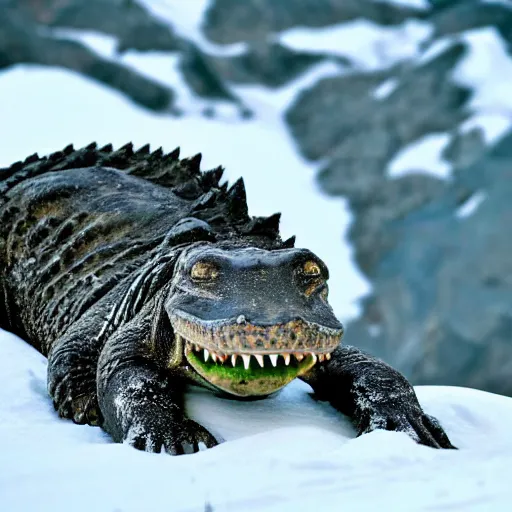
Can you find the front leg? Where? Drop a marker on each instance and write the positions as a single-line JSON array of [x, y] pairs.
[[374, 396], [141, 402], [72, 364]]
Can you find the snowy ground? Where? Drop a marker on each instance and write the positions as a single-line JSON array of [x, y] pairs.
[[288, 453]]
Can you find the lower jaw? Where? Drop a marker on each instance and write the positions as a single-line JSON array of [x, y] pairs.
[[254, 381]]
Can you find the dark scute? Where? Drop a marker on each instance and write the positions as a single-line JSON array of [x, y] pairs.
[[31, 159], [107, 148], [126, 149], [157, 154], [236, 200], [144, 150], [189, 230], [289, 243], [194, 163], [264, 225], [175, 154], [211, 178]]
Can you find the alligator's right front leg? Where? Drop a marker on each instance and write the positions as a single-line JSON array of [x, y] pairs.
[[142, 404]]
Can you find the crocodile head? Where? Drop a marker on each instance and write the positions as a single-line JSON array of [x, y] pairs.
[[251, 320]]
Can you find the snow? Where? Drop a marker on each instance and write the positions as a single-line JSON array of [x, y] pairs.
[[493, 125], [286, 453], [437, 47], [102, 44], [471, 205], [383, 90], [186, 20], [487, 69], [368, 45], [419, 4], [422, 155]]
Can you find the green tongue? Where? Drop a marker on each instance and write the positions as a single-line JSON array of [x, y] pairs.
[[255, 381]]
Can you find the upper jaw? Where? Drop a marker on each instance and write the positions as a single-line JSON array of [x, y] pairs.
[[263, 358], [225, 340]]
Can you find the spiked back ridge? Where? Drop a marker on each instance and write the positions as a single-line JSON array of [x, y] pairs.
[[222, 207]]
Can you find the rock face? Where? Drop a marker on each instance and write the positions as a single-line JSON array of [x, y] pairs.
[[436, 249], [231, 21], [27, 36]]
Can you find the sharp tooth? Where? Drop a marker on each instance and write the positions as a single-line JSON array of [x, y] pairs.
[[259, 358], [273, 359], [247, 360], [299, 356], [197, 348], [321, 357], [222, 357], [206, 355], [214, 356], [233, 359], [313, 355], [327, 356], [286, 359]]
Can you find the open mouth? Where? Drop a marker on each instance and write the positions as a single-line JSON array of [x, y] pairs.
[[250, 360], [250, 374]]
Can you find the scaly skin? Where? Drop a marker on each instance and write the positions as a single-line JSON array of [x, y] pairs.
[[128, 269]]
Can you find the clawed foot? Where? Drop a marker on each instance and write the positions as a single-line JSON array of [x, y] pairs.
[[175, 438], [75, 404], [421, 427]]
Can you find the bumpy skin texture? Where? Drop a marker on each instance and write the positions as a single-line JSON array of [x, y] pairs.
[[91, 243]]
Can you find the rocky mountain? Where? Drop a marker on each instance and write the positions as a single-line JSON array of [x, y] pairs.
[[413, 130]]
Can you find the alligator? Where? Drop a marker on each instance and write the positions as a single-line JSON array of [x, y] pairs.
[[137, 274]]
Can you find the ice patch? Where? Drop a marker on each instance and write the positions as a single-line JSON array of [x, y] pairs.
[[434, 49], [470, 206], [383, 90], [422, 155], [419, 4]]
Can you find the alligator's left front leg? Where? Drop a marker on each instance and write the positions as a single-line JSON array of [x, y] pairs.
[[374, 396], [141, 402]]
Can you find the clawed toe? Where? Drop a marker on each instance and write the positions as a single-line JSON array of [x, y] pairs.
[[82, 410]]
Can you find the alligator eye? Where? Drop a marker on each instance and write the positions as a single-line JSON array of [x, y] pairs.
[[311, 268], [204, 271]]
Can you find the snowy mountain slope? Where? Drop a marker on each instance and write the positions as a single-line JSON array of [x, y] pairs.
[[49, 109], [287, 453]]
